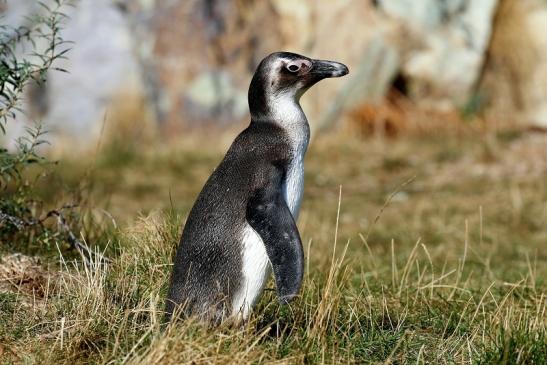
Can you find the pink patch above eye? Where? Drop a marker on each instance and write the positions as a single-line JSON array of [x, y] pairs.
[[306, 64]]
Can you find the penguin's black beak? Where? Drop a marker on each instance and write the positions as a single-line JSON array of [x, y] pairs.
[[324, 69]]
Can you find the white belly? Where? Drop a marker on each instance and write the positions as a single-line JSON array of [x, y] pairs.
[[256, 270], [293, 186]]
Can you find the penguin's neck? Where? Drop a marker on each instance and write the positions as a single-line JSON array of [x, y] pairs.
[[284, 110]]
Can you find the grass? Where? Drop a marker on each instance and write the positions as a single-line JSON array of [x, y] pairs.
[[424, 249]]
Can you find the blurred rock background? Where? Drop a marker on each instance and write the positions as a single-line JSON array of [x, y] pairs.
[[165, 66]]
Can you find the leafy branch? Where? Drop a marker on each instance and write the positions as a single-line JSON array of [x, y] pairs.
[[16, 71], [27, 54], [12, 164]]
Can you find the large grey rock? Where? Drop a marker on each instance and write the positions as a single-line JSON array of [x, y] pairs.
[[213, 96], [452, 37], [100, 65], [204, 50]]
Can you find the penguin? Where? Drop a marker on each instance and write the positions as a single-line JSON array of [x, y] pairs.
[[243, 224]]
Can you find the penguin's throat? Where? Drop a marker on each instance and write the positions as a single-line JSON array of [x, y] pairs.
[[283, 109]]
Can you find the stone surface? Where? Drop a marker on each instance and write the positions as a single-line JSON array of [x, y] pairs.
[[191, 61], [100, 65], [211, 47], [212, 95], [454, 36], [536, 90], [515, 77]]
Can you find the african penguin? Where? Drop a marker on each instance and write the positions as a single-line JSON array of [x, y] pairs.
[[242, 224]]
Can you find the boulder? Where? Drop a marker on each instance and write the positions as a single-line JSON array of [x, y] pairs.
[[101, 65], [203, 56], [515, 77], [451, 38]]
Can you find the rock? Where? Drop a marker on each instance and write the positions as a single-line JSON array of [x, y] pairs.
[[370, 80], [454, 36], [425, 14], [536, 90], [100, 65], [213, 96], [211, 47], [515, 82]]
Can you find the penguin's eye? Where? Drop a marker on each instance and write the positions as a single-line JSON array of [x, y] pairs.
[[293, 67]]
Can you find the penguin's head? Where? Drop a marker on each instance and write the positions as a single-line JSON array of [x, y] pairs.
[[287, 76]]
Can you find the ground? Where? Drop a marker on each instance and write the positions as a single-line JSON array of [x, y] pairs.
[[425, 248]]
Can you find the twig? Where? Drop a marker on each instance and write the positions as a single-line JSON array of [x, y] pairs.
[[75, 243]]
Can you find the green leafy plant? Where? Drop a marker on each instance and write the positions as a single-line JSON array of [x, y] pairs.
[[27, 54]]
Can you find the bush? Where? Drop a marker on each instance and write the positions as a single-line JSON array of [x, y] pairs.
[[27, 54]]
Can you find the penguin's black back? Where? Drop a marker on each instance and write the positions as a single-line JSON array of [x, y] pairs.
[[208, 262]]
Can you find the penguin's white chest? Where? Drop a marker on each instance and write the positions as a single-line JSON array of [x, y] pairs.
[[293, 185], [256, 270]]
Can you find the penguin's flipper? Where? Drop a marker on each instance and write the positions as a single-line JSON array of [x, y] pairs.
[[269, 215]]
